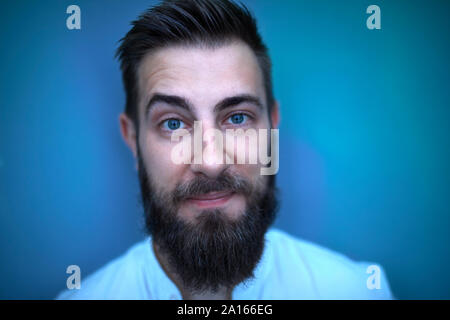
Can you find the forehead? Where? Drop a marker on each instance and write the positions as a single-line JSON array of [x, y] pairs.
[[202, 75]]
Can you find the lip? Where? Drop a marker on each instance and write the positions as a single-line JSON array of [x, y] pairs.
[[212, 199]]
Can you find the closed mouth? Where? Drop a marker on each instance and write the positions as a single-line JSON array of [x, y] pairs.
[[211, 199]]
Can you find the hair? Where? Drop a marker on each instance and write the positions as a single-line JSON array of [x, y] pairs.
[[209, 23]]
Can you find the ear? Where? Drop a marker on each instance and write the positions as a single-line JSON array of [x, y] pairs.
[[275, 115], [128, 131]]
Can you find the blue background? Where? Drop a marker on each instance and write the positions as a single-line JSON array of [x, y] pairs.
[[364, 138]]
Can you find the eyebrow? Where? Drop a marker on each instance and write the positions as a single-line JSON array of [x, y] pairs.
[[236, 100], [183, 103], [175, 101]]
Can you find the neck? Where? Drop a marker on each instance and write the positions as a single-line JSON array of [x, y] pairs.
[[220, 294]]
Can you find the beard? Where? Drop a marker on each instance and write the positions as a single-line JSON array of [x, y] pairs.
[[213, 251]]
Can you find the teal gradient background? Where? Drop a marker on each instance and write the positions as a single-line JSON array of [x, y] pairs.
[[364, 138]]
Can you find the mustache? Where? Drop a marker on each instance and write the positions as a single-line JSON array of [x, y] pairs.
[[202, 184]]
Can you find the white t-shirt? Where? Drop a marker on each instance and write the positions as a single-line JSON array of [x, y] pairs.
[[290, 268]]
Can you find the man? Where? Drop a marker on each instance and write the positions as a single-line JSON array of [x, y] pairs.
[[197, 66]]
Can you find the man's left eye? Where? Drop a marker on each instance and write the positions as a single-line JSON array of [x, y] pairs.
[[238, 118]]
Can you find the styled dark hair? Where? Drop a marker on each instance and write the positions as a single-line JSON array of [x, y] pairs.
[[210, 23]]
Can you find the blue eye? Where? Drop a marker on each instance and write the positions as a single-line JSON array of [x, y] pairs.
[[173, 124], [238, 118]]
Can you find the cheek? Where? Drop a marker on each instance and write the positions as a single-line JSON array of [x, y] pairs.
[[252, 172], [157, 157]]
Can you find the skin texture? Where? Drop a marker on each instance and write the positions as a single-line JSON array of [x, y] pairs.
[[203, 77]]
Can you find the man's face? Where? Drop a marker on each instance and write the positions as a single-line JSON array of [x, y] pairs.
[[201, 79], [208, 218]]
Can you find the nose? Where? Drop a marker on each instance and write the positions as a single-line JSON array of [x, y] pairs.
[[209, 155]]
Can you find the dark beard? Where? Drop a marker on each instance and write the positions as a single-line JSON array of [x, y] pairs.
[[213, 252]]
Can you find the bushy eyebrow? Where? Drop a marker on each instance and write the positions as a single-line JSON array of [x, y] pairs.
[[183, 103], [172, 100], [236, 100]]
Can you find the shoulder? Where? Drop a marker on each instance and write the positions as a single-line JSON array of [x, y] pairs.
[[330, 275], [122, 278]]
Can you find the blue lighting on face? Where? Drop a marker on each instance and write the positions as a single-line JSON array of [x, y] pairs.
[[364, 138]]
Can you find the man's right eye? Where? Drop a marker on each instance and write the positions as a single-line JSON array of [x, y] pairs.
[[172, 124]]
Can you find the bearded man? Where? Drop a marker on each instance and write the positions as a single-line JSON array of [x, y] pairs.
[[202, 63]]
